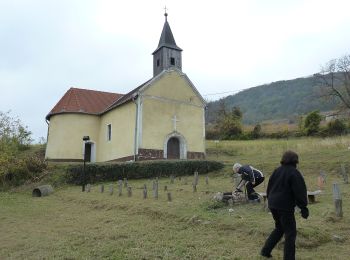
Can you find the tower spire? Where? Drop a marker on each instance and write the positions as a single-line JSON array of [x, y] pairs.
[[167, 54]]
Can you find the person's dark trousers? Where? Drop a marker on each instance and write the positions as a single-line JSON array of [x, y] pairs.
[[250, 188], [284, 224]]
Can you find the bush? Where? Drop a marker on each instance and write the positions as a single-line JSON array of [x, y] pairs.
[[336, 127], [312, 123], [137, 170], [35, 164]]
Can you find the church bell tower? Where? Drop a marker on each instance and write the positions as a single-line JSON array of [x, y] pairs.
[[167, 54]]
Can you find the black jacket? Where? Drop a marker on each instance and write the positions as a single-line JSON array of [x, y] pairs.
[[248, 173], [286, 189]]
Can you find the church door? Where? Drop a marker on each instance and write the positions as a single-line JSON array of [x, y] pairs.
[[173, 148], [87, 152]]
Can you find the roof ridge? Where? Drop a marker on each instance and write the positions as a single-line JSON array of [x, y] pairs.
[[85, 89]]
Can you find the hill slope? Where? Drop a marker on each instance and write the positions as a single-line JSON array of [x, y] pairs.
[[278, 100]]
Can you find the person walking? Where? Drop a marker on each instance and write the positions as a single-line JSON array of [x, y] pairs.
[[285, 190], [251, 178]]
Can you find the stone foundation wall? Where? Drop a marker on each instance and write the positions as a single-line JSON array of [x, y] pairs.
[[150, 154], [195, 155]]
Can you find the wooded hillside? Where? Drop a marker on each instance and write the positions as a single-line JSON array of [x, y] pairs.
[[278, 100]]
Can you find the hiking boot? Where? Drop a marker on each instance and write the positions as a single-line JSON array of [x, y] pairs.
[[265, 254]]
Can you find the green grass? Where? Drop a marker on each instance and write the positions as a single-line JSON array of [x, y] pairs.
[[70, 224]]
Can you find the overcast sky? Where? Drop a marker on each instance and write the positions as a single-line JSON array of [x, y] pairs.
[[48, 46]]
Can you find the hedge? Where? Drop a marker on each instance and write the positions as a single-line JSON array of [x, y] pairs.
[[98, 172]]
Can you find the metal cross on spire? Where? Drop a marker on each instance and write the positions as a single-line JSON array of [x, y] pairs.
[[165, 13]]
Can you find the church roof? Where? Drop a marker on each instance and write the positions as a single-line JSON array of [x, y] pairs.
[[127, 97], [84, 101], [167, 38]]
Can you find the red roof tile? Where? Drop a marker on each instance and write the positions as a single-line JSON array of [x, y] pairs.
[[86, 101]]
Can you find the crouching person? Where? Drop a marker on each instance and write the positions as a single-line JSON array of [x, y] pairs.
[[250, 177]]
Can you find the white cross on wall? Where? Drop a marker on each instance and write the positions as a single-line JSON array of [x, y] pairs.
[[174, 119]]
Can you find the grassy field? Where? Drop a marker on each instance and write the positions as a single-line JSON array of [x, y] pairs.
[[70, 224]]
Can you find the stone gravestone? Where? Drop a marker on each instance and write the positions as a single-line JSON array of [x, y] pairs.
[[145, 191], [129, 191], [120, 187], [169, 196], [337, 200], [321, 180], [102, 188], [195, 178], [111, 189], [344, 174], [155, 188]]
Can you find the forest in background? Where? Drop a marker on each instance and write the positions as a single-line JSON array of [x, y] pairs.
[[287, 99]]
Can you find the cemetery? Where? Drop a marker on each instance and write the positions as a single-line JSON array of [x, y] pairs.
[[175, 216]]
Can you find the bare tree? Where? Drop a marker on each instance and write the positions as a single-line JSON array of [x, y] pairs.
[[334, 80]]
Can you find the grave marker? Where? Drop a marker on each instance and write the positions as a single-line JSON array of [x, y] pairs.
[[129, 191], [337, 200], [120, 187], [145, 191], [344, 173], [169, 196]]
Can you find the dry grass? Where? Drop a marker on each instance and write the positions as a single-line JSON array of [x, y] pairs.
[[70, 224]]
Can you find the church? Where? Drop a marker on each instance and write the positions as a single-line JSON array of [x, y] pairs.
[[163, 118]]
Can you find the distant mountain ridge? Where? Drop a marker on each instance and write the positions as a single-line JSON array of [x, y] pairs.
[[284, 99]]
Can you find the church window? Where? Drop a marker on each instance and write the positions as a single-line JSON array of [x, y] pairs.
[[172, 61], [109, 132], [157, 62]]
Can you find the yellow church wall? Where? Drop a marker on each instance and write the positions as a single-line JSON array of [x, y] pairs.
[[121, 144], [173, 85], [171, 95], [158, 123], [66, 131]]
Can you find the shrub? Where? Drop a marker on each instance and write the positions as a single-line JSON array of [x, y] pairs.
[[336, 127], [137, 170], [312, 123]]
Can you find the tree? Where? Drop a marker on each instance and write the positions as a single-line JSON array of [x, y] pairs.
[[13, 133], [312, 122], [334, 80], [228, 123], [256, 133]]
